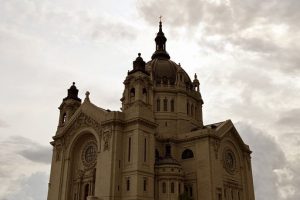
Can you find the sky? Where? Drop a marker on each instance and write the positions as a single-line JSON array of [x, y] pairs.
[[245, 53]]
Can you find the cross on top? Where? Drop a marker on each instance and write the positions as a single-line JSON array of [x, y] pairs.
[[160, 18]]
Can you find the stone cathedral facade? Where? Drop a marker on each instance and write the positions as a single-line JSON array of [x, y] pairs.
[[155, 148]]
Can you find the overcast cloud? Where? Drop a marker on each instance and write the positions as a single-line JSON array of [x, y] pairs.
[[245, 52]]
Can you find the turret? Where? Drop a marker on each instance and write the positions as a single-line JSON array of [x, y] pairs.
[[138, 85], [196, 83], [69, 105]]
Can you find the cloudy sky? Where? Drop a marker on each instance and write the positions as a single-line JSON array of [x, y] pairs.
[[245, 52]]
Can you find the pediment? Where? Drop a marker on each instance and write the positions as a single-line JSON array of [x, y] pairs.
[[87, 115], [228, 131]]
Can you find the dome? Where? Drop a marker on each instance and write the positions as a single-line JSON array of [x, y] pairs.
[[166, 71]]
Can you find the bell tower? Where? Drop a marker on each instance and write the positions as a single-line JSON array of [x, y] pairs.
[[138, 137], [138, 86], [69, 105]]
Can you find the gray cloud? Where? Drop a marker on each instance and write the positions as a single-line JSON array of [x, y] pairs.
[[290, 119], [29, 149], [275, 177], [34, 187]]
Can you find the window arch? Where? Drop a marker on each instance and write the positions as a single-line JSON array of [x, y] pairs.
[[164, 187], [158, 104], [128, 184], [132, 94], [64, 118], [186, 154], [172, 187], [172, 105], [145, 96], [165, 104]]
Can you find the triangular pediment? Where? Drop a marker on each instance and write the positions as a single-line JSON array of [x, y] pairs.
[[87, 115], [228, 130]]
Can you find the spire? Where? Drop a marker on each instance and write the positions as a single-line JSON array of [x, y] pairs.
[[73, 93], [160, 41]]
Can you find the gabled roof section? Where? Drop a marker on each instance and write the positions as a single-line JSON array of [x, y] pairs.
[[87, 109], [227, 128]]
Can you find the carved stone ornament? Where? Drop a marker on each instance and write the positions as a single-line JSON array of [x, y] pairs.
[[106, 138], [229, 161], [216, 144], [89, 154], [82, 121]]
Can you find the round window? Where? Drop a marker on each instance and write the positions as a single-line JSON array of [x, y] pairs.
[[89, 154], [229, 161]]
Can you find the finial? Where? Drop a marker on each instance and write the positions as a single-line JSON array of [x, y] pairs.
[[87, 96], [160, 24], [195, 76], [73, 83], [139, 54]]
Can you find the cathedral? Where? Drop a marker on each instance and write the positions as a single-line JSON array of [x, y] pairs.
[[155, 148]]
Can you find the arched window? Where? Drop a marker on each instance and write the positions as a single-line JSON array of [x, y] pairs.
[[145, 184], [192, 110], [188, 108], [145, 150], [158, 104], [129, 149], [172, 187], [156, 155], [164, 187], [86, 191], [132, 94], [64, 118], [186, 154], [128, 184], [196, 112], [179, 188], [165, 104], [172, 105], [191, 191], [145, 97]]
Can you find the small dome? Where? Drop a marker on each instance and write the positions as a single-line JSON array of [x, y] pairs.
[[165, 71]]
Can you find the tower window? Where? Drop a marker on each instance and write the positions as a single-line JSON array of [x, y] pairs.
[[172, 187], [188, 108], [132, 94], [165, 104], [128, 184], [164, 187], [158, 104], [192, 110], [145, 150], [129, 148], [64, 118], [172, 105], [145, 184], [179, 188], [145, 95], [156, 154], [191, 191], [186, 154]]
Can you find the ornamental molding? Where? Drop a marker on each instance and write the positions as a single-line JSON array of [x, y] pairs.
[[106, 138], [81, 121]]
